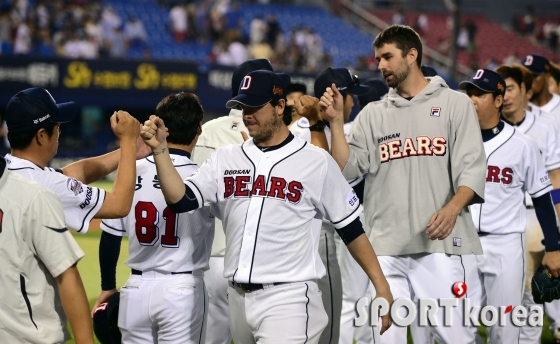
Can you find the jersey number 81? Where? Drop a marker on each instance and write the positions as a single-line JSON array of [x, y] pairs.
[[147, 231]]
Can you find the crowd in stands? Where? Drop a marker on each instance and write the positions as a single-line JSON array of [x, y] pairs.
[[72, 29]]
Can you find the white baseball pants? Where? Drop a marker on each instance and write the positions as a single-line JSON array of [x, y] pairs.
[[291, 313], [163, 308]]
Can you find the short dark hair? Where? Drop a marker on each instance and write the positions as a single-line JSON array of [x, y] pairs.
[[23, 140], [182, 114], [527, 76], [513, 72], [404, 37]]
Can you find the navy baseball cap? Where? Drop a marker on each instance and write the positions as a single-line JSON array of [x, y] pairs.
[[486, 80], [296, 87], [32, 108], [259, 88], [429, 71], [537, 64], [342, 78], [377, 89], [105, 321], [246, 68]]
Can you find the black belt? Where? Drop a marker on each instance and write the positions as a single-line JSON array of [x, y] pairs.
[[138, 272], [249, 287], [482, 234]]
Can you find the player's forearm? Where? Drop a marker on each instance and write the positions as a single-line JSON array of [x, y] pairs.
[[461, 199], [91, 169], [340, 150], [363, 253], [117, 203], [171, 183], [74, 301], [109, 250], [547, 220]]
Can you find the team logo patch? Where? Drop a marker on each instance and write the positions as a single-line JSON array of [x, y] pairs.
[[74, 186], [457, 242], [234, 125], [435, 111]]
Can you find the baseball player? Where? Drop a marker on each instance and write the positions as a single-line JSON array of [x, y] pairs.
[[331, 284], [165, 299], [220, 132], [271, 263], [534, 236], [542, 98], [425, 161], [41, 285], [34, 119], [354, 282], [515, 166]]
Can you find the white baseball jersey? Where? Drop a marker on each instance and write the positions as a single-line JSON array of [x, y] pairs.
[[219, 132], [301, 129], [272, 203], [159, 239], [514, 166], [80, 202], [552, 107], [36, 248], [542, 130]]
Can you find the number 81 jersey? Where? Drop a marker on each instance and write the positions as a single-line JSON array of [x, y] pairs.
[[159, 239]]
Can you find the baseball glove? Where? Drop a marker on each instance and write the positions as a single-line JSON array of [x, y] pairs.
[[545, 288]]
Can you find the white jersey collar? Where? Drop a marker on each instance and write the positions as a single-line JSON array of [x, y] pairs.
[[235, 113], [552, 104], [491, 145], [15, 163], [527, 123]]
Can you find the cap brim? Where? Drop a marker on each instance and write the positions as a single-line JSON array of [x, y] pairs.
[[67, 112], [358, 90], [247, 100], [463, 86]]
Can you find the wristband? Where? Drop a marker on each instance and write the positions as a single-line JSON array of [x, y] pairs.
[[555, 194], [157, 153], [319, 126]]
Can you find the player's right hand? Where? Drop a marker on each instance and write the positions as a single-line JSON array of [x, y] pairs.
[[308, 107], [124, 125], [331, 104], [103, 297], [154, 133], [551, 262]]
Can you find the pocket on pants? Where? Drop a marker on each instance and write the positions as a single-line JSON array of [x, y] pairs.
[[183, 289]]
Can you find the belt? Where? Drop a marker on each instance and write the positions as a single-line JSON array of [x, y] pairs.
[[138, 272], [249, 287], [482, 234]]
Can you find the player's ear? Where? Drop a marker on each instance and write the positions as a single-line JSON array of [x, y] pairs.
[[280, 107], [498, 101], [411, 56], [41, 136]]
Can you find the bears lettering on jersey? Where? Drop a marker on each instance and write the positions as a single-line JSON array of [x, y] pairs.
[[279, 188], [421, 145], [499, 175]]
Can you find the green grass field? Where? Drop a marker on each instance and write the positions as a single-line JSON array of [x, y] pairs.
[[89, 268]]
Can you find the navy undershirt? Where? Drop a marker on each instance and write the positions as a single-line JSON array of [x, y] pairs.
[[511, 123], [489, 134]]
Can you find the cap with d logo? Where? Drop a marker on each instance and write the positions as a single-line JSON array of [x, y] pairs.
[[537, 64], [259, 88], [486, 80]]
